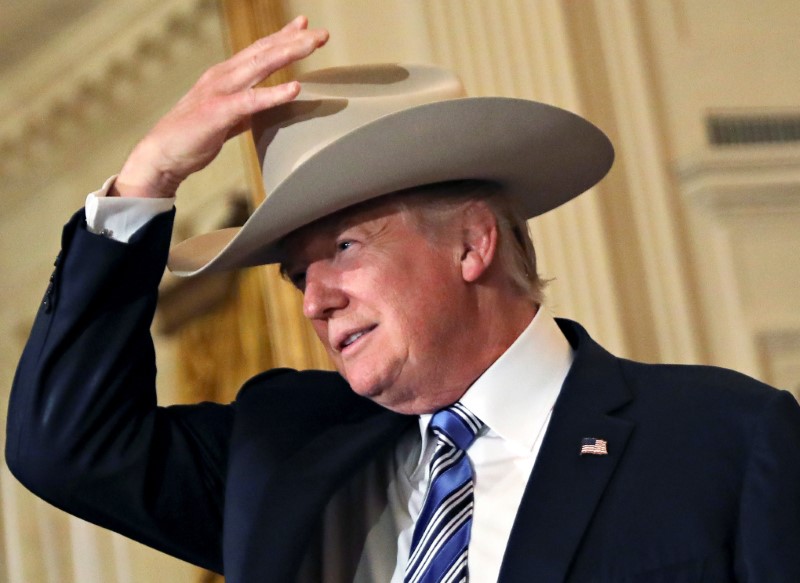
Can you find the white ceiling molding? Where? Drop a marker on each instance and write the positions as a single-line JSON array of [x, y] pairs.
[[66, 86]]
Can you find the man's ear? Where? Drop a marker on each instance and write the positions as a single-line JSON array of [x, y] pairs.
[[478, 240]]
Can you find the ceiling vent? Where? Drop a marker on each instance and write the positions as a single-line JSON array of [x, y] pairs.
[[752, 128]]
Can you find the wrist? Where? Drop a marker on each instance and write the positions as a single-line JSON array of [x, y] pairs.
[[140, 177]]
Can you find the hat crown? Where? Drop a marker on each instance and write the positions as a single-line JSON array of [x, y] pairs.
[[335, 101]]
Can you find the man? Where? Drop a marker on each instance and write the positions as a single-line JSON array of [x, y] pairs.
[[398, 208]]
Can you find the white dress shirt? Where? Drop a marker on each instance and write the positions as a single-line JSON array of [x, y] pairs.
[[514, 398]]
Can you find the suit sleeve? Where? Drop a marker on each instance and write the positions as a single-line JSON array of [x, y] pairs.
[[84, 430], [768, 540]]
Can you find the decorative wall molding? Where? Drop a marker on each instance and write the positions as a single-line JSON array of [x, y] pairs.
[[93, 70], [743, 204], [641, 153], [743, 180]]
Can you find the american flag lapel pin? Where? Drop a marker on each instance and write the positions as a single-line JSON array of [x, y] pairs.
[[594, 446]]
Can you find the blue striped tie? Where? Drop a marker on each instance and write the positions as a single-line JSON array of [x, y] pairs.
[[441, 535]]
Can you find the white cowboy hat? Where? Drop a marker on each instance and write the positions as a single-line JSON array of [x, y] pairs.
[[356, 133]]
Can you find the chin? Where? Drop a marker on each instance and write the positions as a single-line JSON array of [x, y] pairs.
[[379, 392], [363, 385]]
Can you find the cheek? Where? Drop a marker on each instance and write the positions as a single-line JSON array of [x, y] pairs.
[[429, 314]]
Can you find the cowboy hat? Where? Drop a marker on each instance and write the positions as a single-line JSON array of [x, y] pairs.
[[356, 133]]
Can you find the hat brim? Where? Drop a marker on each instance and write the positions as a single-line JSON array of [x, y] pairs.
[[540, 155]]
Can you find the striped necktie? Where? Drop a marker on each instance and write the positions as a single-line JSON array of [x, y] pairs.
[[441, 535]]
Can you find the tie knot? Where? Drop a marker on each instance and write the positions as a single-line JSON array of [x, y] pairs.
[[458, 424]]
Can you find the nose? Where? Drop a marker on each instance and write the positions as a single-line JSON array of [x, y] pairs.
[[323, 292]]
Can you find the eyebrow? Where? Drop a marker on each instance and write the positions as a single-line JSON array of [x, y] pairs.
[[335, 223]]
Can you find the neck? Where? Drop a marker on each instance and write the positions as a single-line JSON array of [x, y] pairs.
[[502, 330], [492, 329]]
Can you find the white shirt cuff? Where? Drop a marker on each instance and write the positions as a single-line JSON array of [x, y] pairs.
[[119, 218]]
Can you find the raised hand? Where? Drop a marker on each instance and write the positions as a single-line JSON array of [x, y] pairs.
[[218, 107]]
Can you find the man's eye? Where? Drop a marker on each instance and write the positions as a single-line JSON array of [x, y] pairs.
[[344, 245]]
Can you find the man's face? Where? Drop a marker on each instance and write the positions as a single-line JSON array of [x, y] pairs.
[[387, 302]]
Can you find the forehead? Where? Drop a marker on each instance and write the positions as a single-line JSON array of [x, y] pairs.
[[327, 227], [411, 205]]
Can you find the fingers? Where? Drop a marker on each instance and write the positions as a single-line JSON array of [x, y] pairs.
[[217, 107], [263, 63], [255, 63], [246, 103], [298, 23]]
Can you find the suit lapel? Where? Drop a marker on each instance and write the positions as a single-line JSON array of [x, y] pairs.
[[565, 487]]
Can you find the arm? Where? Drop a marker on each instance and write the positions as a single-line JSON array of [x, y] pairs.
[[84, 430]]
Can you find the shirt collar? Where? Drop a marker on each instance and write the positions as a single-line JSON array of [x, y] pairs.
[[515, 395]]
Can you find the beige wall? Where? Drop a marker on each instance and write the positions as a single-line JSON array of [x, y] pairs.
[[687, 252], [719, 55]]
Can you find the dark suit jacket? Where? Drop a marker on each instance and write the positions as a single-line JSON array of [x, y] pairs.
[[701, 481]]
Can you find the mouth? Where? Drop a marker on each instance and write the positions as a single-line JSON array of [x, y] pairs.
[[353, 337]]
